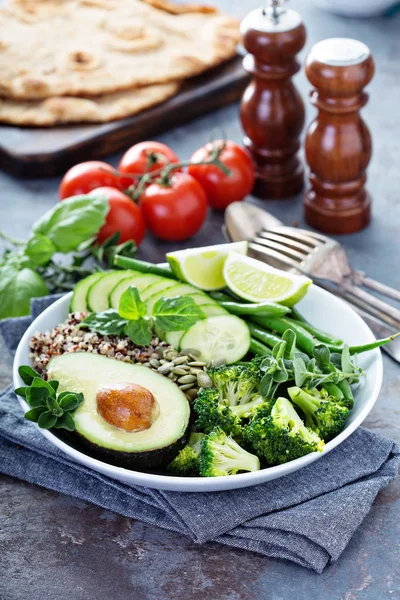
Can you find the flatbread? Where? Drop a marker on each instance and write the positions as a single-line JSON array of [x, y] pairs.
[[67, 109], [91, 47]]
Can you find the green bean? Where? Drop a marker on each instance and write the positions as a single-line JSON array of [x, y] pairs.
[[317, 333], [333, 390], [304, 340], [372, 345], [263, 336], [297, 316], [262, 309], [142, 266], [345, 388], [259, 348]]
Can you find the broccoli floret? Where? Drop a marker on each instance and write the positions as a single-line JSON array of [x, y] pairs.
[[238, 388], [322, 412], [187, 462], [211, 413], [221, 455], [278, 434]]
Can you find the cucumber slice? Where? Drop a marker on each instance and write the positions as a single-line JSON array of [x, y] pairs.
[[213, 310], [180, 289], [140, 280], [97, 296], [160, 285], [174, 337], [225, 338], [78, 302]]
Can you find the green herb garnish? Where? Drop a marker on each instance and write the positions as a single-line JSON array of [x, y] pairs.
[[168, 314], [48, 409]]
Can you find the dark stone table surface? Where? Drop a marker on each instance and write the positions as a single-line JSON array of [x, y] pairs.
[[52, 546]]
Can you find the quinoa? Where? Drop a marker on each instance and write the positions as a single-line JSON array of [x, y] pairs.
[[68, 337]]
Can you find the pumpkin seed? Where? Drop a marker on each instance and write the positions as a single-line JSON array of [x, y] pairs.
[[154, 362], [183, 370], [204, 380], [180, 360], [185, 386], [165, 368], [187, 379]]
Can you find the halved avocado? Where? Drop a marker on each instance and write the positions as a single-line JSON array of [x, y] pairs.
[[152, 447]]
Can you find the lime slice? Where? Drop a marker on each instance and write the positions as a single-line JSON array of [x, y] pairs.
[[202, 267], [257, 282]]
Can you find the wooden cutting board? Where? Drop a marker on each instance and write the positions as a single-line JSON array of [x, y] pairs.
[[41, 151]]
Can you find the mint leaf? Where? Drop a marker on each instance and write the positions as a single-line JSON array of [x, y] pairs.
[[130, 305], [72, 221], [139, 332], [176, 314], [40, 249], [107, 322]]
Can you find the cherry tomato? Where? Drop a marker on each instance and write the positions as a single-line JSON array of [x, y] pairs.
[[87, 176], [136, 160], [174, 212], [124, 216], [222, 189]]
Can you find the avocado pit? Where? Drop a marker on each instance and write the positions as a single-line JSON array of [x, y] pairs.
[[127, 406]]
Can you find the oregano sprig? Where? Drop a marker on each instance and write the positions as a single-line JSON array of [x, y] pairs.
[[48, 409]]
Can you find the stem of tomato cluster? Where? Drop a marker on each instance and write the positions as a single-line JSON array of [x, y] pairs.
[[135, 190]]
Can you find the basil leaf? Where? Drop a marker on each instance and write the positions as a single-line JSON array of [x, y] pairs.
[[27, 374], [34, 414], [130, 305], [107, 322], [176, 314], [65, 422], [40, 249], [46, 420], [72, 221], [17, 287], [139, 332]]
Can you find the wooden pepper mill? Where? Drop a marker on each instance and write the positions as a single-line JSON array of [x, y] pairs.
[[338, 143], [272, 111]]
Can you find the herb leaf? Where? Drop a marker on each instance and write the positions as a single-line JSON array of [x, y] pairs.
[[176, 314], [17, 287], [139, 332], [108, 322], [27, 374], [72, 221], [40, 249], [131, 307], [47, 420]]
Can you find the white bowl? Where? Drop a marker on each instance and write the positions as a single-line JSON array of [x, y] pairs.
[[324, 310]]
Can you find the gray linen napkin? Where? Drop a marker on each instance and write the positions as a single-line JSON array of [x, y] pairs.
[[307, 517]]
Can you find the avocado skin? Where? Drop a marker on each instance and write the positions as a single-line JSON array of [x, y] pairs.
[[133, 460]]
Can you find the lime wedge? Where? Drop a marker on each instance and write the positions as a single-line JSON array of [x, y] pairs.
[[202, 267], [257, 282]]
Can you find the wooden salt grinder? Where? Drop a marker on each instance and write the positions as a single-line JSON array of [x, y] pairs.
[[338, 143], [272, 111]]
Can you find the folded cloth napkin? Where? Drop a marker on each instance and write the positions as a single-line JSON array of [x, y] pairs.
[[307, 517]]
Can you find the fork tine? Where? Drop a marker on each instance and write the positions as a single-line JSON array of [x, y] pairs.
[[287, 250], [285, 240], [285, 260], [301, 235]]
